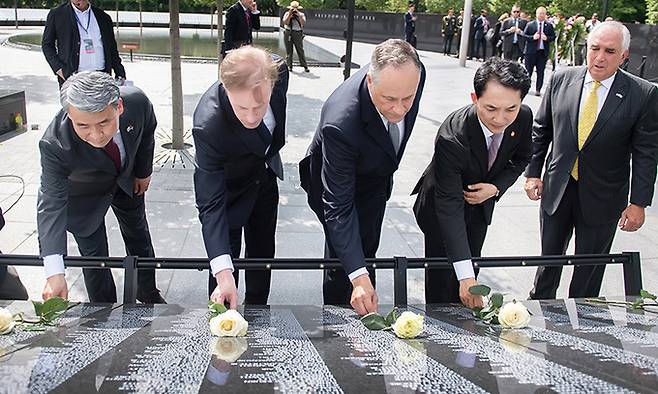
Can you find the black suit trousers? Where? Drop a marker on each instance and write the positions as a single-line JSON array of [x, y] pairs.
[[513, 53], [447, 44], [131, 215], [556, 231], [441, 284], [259, 233], [537, 60]]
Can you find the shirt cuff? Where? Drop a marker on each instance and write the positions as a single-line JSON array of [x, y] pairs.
[[255, 12], [357, 273], [221, 263], [464, 269], [53, 265]]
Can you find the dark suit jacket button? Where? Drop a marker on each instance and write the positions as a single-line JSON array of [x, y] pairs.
[[258, 182]]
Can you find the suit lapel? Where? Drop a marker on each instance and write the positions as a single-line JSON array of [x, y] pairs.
[[250, 138], [278, 105], [374, 124], [616, 95], [476, 137], [572, 101]]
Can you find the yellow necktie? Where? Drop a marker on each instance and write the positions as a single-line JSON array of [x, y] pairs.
[[586, 121]]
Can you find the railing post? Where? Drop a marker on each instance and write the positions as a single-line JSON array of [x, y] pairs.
[[130, 280], [400, 281], [632, 274]]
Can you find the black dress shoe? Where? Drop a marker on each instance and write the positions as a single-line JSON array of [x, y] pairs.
[[306, 69], [153, 297]]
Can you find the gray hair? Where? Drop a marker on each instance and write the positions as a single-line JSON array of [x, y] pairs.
[[613, 25], [89, 91], [392, 52]]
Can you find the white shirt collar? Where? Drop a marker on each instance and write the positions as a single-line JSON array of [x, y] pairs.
[[606, 83], [487, 133], [81, 13], [243, 7]]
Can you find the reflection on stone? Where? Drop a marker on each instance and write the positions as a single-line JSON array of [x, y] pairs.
[[227, 348], [515, 341]]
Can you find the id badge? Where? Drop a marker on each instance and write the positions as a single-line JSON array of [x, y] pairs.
[[88, 45]]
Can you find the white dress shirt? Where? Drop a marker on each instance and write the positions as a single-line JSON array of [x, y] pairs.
[[363, 270], [54, 264], [464, 268], [92, 56], [224, 261], [601, 93]]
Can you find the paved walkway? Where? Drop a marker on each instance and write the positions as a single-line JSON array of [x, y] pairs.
[[170, 201]]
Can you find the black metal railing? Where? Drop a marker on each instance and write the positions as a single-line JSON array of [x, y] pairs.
[[399, 265]]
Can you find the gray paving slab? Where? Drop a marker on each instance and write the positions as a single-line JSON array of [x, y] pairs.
[[170, 201]]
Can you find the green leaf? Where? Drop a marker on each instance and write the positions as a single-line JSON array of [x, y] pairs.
[[638, 303], [646, 294], [38, 308], [392, 316], [52, 309], [481, 290], [497, 300], [374, 321], [494, 320], [216, 309]]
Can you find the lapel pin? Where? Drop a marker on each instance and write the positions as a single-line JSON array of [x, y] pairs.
[[619, 95], [513, 133], [129, 129]]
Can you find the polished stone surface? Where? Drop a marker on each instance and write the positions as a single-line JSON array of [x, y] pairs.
[[570, 346]]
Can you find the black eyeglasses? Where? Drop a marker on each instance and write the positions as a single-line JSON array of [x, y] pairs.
[[516, 11]]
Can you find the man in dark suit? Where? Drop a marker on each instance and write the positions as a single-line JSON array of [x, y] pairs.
[[480, 29], [241, 18], [601, 122], [479, 152], [448, 30], [79, 37], [348, 169], [239, 128], [512, 33], [97, 153], [410, 25], [538, 36]]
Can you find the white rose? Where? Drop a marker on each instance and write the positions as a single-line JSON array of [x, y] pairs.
[[6, 321], [408, 325], [514, 315], [228, 349], [515, 341], [229, 324]]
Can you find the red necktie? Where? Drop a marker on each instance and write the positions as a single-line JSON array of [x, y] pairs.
[[112, 149], [248, 17]]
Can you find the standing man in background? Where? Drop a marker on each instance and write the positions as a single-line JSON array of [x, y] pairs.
[[512, 33], [449, 29], [79, 37], [480, 29], [293, 33], [538, 37], [241, 18], [410, 25]]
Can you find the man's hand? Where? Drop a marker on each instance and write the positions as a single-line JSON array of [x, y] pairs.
[[141, 185], [364, 298], [632, 218], [60, 73], [536, 36], [480, 192], [55, 287], [468, 299], [254, 7], [225, 292], [543, 37], [533, 188]]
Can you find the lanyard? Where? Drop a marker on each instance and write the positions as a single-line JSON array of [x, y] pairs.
[[80, 23]]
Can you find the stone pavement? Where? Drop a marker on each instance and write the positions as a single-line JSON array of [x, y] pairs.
[[170, 201]]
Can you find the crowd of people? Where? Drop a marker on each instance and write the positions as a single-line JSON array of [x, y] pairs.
[[589, 155]]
